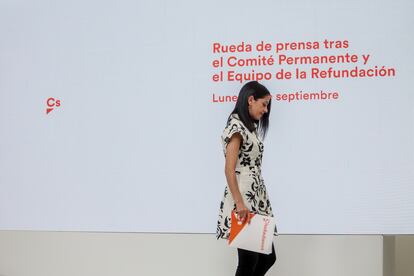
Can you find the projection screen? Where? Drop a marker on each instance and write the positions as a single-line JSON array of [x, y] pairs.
[[111, 113]]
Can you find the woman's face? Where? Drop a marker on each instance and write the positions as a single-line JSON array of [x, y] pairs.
[[258, 107]]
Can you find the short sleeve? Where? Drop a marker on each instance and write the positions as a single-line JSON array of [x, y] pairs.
[[234, 126]]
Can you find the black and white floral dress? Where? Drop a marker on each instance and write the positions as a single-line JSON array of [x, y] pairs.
[[248, 174]]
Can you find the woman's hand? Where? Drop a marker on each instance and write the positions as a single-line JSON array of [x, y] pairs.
[[243, 214]]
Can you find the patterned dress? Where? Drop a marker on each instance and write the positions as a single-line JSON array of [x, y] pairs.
[[248, 174]]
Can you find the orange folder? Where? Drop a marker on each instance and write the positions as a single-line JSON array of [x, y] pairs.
[[256, 236]]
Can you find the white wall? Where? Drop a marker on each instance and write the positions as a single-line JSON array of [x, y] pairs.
[[24, 253], [404, 255]]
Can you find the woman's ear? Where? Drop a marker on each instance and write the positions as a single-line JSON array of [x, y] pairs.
[[250, 100]]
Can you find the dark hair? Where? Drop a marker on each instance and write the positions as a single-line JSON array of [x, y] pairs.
[[258, 91]]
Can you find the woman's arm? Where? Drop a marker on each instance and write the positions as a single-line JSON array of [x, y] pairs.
[[232, 152]]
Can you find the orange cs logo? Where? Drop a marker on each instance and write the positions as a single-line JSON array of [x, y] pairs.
[[51, 104]]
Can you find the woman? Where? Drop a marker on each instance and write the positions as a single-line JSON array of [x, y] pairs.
[[245, 191]]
